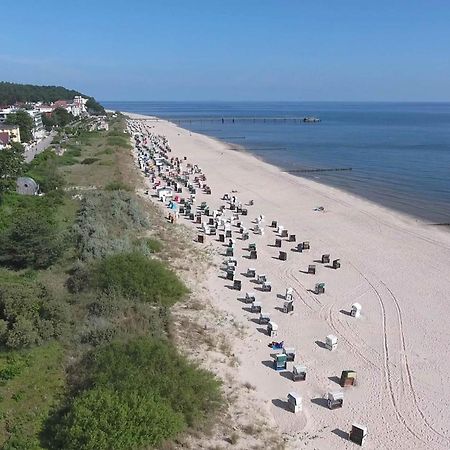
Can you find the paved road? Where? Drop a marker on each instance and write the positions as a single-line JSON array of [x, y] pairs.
[[34, 150]]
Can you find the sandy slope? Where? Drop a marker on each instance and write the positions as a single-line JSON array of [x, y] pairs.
[[397, 267]]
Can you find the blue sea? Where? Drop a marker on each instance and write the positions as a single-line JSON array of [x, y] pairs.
[[399, 153]]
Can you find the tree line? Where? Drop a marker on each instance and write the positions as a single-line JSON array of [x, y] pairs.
[[11, 93]]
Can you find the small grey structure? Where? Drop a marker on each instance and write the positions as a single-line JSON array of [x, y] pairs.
[[26, 186]]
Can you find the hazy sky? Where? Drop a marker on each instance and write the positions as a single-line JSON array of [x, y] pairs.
[[231, 49]]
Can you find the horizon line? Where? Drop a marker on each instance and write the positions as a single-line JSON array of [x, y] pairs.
[[279, 101]]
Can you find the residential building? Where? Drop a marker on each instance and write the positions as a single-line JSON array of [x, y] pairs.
[[38, 126], [12, 131], [44, 109], [4, 113]]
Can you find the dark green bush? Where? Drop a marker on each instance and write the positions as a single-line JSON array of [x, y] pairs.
[[135, 395], [106, 305], [99, 335], [79, 278], [29, 315], [135, 276], [89, 160], [31, 240]]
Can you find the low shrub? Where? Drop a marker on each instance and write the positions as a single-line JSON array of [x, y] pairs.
[[154, 245], [135, 276], [134, 395], [15, 364], [99, 335], [79, 278], [89, 160], [29, 315], [106, 305]]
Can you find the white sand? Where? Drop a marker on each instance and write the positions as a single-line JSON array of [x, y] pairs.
[[397, 267]]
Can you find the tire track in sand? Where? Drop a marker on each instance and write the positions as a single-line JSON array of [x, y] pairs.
[[388, 376], [356, 349], [406, 367]]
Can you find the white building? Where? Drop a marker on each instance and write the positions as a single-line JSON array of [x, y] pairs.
[[38, 127], [43, 108], [78, 106]]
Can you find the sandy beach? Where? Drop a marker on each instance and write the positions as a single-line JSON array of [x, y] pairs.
[[396, 267]]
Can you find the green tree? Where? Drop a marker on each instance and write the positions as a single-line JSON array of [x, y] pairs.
[[25, 123], [48, 121], [11, 166], [94, 107], [62, 117], [11, 93]]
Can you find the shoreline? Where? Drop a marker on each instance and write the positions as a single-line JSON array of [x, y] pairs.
[[391, 264], [401, 215]]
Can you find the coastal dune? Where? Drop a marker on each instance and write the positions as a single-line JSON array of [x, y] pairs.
[[396, 267]]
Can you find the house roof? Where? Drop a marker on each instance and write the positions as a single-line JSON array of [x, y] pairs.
[[60, 103], [8, 127], [4, 138]]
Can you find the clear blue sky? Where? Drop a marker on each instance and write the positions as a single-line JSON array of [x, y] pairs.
[[231, 49]]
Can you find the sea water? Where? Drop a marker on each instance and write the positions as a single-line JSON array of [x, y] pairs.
[[399, 153]]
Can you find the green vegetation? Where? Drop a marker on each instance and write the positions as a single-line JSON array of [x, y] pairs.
[[154, 245], [25, 123], [86, 359], [60, 117], [29, 315], [31, 240], [11, 166], [94, 107], [135, 394], [10, 93], [89, 160], [107, 223], [133, 275], [117, 186], [44, 170], [32, 381]]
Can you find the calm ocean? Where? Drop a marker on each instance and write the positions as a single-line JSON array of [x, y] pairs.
[[399, 152]]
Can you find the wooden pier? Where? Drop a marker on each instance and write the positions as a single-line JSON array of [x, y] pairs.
[[248, 119]]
